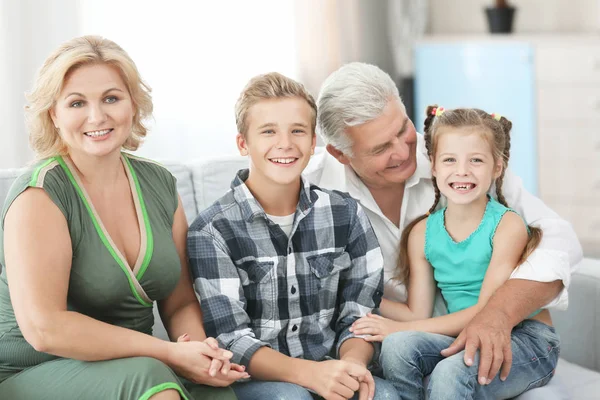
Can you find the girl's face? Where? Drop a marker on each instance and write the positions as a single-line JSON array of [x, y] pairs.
[[464, 166], [94, 111]]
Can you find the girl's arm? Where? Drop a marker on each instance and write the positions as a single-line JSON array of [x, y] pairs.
[[421, 285], [508, 244]]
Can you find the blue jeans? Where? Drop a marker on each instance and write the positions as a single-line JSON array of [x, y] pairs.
[[408, 357], [266, 390]]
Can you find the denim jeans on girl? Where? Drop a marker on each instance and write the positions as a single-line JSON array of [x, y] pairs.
[[408, 357]]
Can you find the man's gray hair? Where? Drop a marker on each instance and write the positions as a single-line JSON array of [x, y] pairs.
[[353, 95]]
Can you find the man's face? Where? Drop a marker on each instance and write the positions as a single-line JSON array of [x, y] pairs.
[[384, 149]]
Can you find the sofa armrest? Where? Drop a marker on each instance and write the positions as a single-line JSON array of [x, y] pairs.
[[579, 326]]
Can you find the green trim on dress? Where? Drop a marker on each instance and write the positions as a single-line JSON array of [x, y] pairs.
[[36, 173], [101, 233], [162, 387], [149, 238]]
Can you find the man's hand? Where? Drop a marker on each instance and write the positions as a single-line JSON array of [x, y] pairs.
[[490, 332], [339, 380], [376, 326]]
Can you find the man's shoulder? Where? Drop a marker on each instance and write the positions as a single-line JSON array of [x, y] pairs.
[[325, 171]]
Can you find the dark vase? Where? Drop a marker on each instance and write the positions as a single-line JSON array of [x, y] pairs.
[[500, 20]]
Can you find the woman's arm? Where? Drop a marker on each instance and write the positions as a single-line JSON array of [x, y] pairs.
[[38, 264], [421, 285], [180, 311]]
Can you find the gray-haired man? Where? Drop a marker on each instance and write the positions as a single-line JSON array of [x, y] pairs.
[[375, 154]]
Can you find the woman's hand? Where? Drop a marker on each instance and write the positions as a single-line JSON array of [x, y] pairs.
[[376, 326], [203, 362]]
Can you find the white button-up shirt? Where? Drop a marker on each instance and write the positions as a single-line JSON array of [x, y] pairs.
[[555, 258]]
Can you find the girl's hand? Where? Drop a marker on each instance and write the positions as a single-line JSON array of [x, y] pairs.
[[376, 326], [203, 362]]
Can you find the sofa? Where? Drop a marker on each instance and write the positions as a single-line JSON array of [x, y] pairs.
[[578, 373]]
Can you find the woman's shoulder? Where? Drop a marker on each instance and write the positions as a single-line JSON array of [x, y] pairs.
[[151, 171], [36, 173], [147, 165], [46, 174]]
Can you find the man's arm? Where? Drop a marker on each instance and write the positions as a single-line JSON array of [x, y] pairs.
[[555, 258], [490, 330]]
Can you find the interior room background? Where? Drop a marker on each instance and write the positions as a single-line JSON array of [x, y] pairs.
[[197, 56]]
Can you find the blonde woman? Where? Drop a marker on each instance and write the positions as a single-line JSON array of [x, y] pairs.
[[91, 237]]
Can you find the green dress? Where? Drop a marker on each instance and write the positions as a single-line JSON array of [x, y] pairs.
[[102, 286]]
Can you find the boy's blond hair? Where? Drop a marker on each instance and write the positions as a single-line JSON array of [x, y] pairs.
[[270, 86]]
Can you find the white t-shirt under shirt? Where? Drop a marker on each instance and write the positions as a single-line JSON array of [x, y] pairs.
[[554, 259], [285, 223]]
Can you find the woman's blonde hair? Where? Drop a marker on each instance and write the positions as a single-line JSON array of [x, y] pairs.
[[270, 86], [86, 50]]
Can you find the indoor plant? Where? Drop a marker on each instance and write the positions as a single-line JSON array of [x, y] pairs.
[[500, 18]]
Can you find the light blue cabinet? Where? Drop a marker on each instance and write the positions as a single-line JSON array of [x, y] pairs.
[[494, 76]]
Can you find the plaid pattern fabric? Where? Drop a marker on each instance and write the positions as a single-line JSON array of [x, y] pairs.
[[297, 295]]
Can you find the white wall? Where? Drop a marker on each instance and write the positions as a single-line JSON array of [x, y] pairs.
[[330, 33], [547, 16], [196, 55], [29, 31]]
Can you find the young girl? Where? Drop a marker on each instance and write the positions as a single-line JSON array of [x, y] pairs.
[[469, 249]]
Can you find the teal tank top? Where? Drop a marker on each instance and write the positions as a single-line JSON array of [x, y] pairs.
[[459, 268]]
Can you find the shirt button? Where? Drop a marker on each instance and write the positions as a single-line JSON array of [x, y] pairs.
[[293, 290], [294, 328], [289, 250]]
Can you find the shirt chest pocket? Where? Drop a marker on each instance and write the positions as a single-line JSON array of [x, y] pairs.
[[260, 291], [324, 281], [326, 267]]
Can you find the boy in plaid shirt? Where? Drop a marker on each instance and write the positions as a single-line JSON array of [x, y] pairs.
[[282, 267]]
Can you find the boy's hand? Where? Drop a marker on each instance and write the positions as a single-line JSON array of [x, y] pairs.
[[339, 380], [376, 326]]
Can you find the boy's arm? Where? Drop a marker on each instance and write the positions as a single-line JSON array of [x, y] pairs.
[[221, 294], [421, 287], [270, 365], [362, 283], [509, 242]]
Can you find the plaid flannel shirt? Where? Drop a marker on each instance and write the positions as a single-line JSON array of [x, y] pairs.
[[297, 295]]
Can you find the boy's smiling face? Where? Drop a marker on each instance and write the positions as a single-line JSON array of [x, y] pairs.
[[279, 142]]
